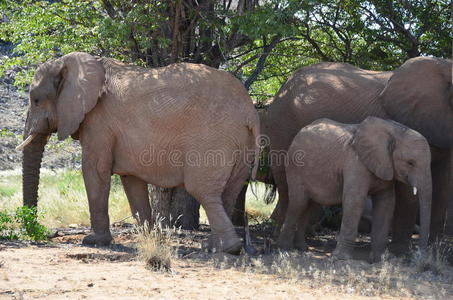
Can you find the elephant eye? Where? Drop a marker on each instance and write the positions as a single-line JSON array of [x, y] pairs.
[[411, 163], [36, 100]]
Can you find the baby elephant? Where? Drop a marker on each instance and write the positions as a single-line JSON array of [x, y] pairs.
[[344, 164]]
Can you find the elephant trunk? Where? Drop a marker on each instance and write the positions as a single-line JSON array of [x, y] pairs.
[[31, 164], [425, 197]]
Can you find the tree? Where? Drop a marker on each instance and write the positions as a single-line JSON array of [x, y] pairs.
[[259, 42], [147, 33]]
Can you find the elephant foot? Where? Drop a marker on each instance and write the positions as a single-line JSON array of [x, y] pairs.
[[97, 239], [342, 252], [215, 244]]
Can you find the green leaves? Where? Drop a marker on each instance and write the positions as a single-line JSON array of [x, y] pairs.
[[23, 224], [372, 34], [30, 227], [41, 30]]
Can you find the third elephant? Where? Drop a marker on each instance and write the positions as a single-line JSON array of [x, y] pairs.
[[418, 94], [345, 163]]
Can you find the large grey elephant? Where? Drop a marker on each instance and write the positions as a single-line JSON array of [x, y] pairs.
[[331, 163], [418, 94], [182, 125]]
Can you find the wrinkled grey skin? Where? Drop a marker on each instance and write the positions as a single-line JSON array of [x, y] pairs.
[[419, 95], [141, 124], [346, 164]]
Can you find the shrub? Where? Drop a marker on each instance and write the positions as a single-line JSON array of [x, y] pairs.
[[22, 224], [28, 219], [8, 228]]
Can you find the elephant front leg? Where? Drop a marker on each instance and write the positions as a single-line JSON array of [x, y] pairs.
[[137, 194], [355, 192], [442, 194], [383, 207], [405, 214], [96, 174]]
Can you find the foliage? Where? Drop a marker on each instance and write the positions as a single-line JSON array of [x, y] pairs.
[[7, 226], [30, 227], [260, 42], [22, 224]]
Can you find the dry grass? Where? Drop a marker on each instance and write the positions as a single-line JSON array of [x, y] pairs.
[[154, 245], [62, 197], [433, 260], [63, 200], [392, 277]]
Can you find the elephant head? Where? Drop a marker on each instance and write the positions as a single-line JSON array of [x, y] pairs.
[[419, 95], [63, 90], [392, 151]]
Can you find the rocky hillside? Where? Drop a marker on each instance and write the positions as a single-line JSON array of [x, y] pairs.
[[13, 106]]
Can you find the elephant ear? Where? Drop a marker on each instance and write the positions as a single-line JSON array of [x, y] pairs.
[[374, 145], [82, 81], [418, 95]]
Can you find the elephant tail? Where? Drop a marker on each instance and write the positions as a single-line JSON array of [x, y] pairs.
[[255, 129]]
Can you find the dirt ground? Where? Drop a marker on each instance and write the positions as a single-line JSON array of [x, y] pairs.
[[64, 269]]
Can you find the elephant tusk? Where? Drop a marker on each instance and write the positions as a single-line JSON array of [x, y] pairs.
[[27, 141], [415, 191]]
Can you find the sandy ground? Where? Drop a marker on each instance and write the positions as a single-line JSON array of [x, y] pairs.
[[69, 272], [64, 269]]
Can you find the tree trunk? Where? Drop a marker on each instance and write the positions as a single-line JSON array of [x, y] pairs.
[[175, 207]]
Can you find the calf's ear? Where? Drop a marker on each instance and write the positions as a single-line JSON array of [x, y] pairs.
[[374, 145]]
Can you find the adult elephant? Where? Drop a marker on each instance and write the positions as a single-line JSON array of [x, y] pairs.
[[182, 125], [418, 94]]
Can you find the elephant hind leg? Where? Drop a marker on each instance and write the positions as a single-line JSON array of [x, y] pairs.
[[209, 193], [297, 207], [239, 207], [137, 194], [299, 240], [235, 186], [223, 236]]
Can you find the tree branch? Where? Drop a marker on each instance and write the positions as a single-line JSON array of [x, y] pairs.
[[261, 61]]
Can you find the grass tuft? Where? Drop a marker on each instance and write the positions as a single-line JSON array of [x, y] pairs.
[[154, 245], [433, 260]]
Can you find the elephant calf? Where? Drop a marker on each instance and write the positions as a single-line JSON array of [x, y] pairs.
[[346, 163]]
